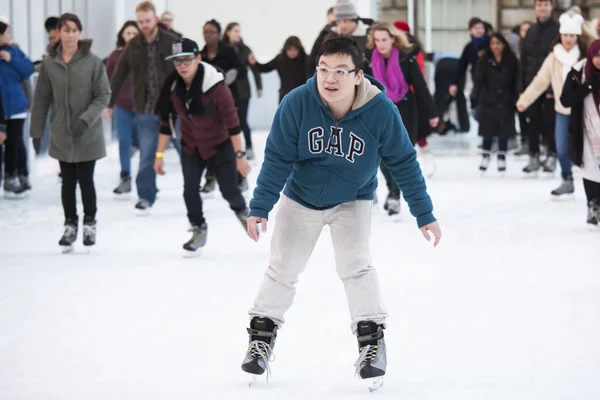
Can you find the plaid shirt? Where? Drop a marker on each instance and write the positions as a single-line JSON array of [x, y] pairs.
[[152, 83]]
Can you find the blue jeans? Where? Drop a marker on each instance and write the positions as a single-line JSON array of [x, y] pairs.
[[561, 132], [148, 131], [127, 133]]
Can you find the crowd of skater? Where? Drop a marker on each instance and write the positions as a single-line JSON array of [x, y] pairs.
[[358, 97], [522, 73]]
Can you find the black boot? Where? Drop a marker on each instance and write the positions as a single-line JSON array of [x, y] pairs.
[[263, 333]]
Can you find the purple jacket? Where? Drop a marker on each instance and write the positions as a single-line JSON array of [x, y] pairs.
[[125, 99]]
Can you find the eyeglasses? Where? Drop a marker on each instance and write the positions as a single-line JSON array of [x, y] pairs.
[[338, 73], [187, 61]]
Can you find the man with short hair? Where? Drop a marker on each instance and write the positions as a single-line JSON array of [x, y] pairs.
[[211, 135], [167, 19], [143, 58], [325, 145], [541, 114]]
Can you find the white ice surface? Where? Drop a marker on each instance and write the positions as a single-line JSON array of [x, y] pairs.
[[508, 307]]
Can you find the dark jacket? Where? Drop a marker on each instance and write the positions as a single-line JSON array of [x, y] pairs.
[[12, 75], [242, 84], [2, 117], [573, 94], [535, 48], [469, 57], [331, 31], [75, 91], [125, 98], [207, 110], [292, 73], [413, 103], [495, 95], [227, 61], [134, 61]]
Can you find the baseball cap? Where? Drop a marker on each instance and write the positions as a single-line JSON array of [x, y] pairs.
[[183, 47]]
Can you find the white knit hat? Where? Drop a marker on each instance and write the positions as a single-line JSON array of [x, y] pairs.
[[571, 23], [344, 9]]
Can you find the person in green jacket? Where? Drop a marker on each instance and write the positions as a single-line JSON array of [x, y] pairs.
[[74, 88]]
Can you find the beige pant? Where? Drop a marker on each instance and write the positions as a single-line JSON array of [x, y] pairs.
[[296, 232]]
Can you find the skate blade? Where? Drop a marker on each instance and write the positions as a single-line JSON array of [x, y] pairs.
[[68, 249], [187, 254], [142, 213], [252, 378], [122, 196], [375, 383], [562, 198], [548, 175], [395, 217], [531, 175], [208, 195], [15, 196]]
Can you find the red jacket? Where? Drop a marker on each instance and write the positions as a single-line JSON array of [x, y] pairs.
[[207, 111]]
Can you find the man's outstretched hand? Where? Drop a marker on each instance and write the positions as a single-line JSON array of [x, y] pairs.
[[252, 228], [435, 230]]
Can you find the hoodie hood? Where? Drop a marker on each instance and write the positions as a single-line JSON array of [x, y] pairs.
[[368, 93], [212, 76], [84, 45]]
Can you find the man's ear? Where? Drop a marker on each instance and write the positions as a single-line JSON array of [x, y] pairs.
[[360, 75]]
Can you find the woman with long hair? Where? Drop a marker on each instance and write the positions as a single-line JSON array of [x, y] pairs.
[[233, 38], [494, 94], [581, 93], [393, 63], [15, 67], [568, 49], [290, 64], [74, 88], [123, 116]]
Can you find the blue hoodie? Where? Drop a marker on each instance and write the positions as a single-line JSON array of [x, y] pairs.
[[12, 75], [324, 162]]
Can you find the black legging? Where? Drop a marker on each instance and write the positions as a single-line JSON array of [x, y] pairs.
[[242, 109], [542, 118], [592, 191], [72, 173], [502, 144], [15, 155]]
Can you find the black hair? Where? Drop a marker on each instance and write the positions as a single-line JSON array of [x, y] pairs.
[[127, 24], [66, 17], [293, 41], [507, 53], [214, 23], [51, 24], [343, 46], [3, 28]]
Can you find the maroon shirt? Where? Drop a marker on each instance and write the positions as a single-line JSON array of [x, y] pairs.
[[207, 110], [125, 99]]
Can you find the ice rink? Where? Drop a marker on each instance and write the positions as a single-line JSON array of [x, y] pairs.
[[506, 308]]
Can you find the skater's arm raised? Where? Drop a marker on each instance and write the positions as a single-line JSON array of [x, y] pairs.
[[400, 157], [281, 152]]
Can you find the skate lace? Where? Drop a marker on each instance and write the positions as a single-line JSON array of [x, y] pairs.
[[88, 232], [367, 353], [261, 349], [69, 230]]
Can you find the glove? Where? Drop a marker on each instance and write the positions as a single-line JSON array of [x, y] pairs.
[[37, 145], [79, 129]]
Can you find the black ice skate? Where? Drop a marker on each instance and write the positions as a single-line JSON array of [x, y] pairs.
[[372, 361], [24, 181], [89, 232], [69, 236], [13, 188], [392, 204], [124, 184], [199, 235], [485, 161], [502, 162], [549, 164], [593, 216], [532, 168], [263, 333]]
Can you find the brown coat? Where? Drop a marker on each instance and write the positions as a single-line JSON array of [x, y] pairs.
[[134, 60]]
